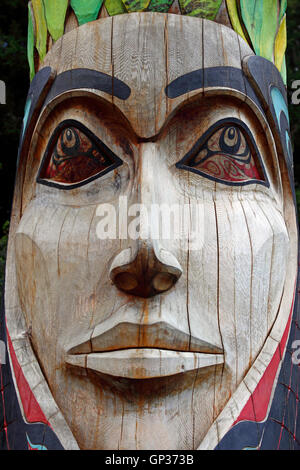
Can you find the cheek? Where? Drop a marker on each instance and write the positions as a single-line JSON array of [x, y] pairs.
[[61, 273], [34, 289], [253, 249]]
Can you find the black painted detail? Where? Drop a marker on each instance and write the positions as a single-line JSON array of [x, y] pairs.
[[229, 126], [211, 77], [184, 84], [264, 75], [36, 94], [86, 78], [15, 433], [68, 129], [281, 428]]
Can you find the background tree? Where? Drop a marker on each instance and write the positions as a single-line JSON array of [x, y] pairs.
[[14, 72]]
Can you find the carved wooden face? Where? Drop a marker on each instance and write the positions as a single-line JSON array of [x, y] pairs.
[[144, 339]]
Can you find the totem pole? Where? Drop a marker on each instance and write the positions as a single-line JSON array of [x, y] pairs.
[[116, 341]]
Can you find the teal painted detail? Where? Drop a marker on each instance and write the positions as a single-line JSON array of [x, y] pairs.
[[26, 115], [279, 104], [289, 145], [34, 446]]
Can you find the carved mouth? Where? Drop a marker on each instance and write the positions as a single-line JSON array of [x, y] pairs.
[[144, 363], [130, 335], [141, 351]]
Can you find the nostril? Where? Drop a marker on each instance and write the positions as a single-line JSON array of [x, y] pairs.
[[163, 282], [145, 272], [126, 281]]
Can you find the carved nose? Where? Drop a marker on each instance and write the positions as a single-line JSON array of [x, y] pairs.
[[145, 272]]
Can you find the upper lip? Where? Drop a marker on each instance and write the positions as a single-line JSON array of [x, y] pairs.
[[112, 336]]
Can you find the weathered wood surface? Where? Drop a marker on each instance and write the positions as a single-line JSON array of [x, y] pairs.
[[144, 363], [223, 293]]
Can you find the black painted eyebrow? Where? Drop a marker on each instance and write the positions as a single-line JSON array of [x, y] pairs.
[[228, 77], [87, 78], [184, 84], [39, 93]]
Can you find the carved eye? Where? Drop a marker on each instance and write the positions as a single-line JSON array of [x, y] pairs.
[[228, 154], [75, 157]]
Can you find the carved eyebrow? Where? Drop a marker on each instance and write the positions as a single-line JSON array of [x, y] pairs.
[[86, 78], [37, 93], [228, 77], [184, 84], [41, 94]]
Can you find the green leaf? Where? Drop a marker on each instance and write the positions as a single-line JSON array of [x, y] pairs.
[[55, 12], [202, 8], [41, 27], [30, 43], [235, 18], [280, 44], [114, 7], [161, 6], [261, 21], [283, 7], [86, 10], [136, 5], [283, 71]]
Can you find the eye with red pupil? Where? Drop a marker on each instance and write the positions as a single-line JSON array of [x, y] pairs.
[[223, 154], [74, 157]]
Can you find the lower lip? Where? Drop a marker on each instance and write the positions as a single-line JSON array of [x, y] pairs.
[[144, 363]]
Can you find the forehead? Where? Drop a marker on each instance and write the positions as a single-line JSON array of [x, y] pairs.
[[157, 62]]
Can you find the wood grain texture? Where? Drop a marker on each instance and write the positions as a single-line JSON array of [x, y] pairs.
[[71, 21], [274, 320], [179, 60], [144, 363], [133, 63], [150, 342]]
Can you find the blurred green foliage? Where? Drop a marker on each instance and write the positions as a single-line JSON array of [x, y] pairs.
[[14, 72], [3, 245]]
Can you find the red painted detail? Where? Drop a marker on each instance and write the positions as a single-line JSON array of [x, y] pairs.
[[257, 406], [32, 410], [225, 168]]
